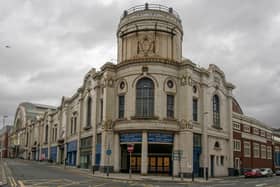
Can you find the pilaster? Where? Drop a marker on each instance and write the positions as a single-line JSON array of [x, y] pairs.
[[144, 153]]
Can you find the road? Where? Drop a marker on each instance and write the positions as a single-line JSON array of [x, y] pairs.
[[28, 173]]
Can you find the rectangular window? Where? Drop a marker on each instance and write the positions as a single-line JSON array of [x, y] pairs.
[[276, 149], [197, 140], [268, 135], [263, 151], [222, 160], [71, 128], [263, 133], [75, 124], [121, 106], [247, 149], [195, 109], [236, 145], [256, 150], [101, 110], [256, 131], [170, 106], [236, 126], [246, 128], [269, 152]]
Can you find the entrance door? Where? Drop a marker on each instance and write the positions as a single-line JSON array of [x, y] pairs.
[[135, 159], [212, 165], [159, 164], [196, 156], [136, 164], [159, 158], [237, 163]]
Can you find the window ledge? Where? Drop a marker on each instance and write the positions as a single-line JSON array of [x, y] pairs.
[[170, 119], [144, 118], [121, 119], [218, 128], [86, 128]]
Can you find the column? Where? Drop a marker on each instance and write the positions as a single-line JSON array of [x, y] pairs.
[[204, 119], [175, 163], [144, 154], [116, 153], [229, 121], [186, 146]]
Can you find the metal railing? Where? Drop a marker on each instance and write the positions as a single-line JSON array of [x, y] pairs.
[[147, 6]]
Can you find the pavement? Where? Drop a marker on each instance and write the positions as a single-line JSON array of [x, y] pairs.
[[3, 179]]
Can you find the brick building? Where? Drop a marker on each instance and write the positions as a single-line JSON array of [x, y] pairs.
[[4, 141], [252, 141]]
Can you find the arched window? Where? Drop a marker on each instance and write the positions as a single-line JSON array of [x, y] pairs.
[[88, 123], [145, 98], [216, 111]]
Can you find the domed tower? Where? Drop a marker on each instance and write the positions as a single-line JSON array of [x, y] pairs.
[[150, 32]]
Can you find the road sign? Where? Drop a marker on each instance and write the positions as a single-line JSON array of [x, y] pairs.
[[108, 152], [130, 148]]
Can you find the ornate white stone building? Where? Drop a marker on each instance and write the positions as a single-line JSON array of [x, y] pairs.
[[177, 115]]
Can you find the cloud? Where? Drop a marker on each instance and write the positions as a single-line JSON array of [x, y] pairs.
[[54, 43]]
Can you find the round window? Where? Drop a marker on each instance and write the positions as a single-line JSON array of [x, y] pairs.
[[122, 85], [170, 84], [194, 89]]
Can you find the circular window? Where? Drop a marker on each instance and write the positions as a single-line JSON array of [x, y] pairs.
[[194, 89], [170, 84], [122, 85]]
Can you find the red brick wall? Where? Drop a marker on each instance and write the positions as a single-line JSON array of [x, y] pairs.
[[251, 162]]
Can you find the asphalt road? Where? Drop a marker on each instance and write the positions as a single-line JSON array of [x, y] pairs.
[[27, 173]]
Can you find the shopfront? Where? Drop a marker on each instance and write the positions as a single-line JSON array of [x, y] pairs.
[[71, 153], [44, 154], [53, 153], [159, 152], [135, 139], [86, 152]]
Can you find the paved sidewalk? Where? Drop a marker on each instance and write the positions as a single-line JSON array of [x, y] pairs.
[[3, 179]]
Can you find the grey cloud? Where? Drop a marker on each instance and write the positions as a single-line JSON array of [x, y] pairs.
[[54, 43]]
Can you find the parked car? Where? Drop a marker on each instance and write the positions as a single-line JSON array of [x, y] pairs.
[[252, 173], [277, 172], [266, 172]]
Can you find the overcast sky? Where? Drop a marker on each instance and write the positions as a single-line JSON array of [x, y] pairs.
[[54, 43]]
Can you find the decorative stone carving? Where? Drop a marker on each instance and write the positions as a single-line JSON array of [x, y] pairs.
[[146, 46], [184, 80], [109, 82], [107, 125], [184, 124]]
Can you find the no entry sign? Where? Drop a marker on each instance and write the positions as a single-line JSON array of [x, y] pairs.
[[130, 148]]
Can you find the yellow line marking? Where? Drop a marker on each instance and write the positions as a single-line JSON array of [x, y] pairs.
[[21, 183]]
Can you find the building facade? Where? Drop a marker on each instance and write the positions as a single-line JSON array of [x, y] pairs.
[[4, 141], [179, 117]]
